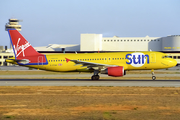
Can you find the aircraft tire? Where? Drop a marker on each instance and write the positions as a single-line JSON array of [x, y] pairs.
[[153, 77], [95, 77]]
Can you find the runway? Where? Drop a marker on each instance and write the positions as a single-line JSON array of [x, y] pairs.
[[171, 79], [88, 82]]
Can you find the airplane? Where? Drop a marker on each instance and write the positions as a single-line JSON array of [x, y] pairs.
[[113, 63]]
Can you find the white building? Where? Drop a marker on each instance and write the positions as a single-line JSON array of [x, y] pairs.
[[5, 55], [91, 42], [95, 42]]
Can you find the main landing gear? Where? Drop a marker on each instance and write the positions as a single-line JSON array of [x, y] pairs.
[[95, 76], [153, 76]]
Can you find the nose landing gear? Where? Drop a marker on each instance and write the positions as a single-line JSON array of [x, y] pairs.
[[153, 76]]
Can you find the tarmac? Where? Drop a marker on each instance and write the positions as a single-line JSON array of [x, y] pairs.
[[88, 82], [139, 80]]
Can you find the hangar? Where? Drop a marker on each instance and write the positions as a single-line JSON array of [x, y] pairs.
[[96, 42]]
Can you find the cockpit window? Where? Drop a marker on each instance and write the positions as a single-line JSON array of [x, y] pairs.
[[166, 56]]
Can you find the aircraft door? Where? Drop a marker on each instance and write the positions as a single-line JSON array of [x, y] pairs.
[[40, 61], [153, 58]]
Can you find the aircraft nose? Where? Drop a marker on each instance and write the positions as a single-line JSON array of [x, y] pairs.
[[173, 62]]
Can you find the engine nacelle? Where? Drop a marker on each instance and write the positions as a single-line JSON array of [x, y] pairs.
[[115, 71]]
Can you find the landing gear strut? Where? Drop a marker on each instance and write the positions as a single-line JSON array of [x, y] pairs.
[[95, 76], [153, 76]]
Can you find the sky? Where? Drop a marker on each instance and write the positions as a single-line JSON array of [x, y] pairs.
[[63, 21]]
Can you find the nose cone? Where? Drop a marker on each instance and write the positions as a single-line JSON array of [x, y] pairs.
[[172, 63]]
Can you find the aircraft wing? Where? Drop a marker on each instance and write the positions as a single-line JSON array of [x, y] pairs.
[[91, 65]]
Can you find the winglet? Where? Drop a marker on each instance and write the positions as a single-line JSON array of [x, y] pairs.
[[67, 60]]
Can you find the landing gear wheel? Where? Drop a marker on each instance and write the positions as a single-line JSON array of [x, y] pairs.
[[154, 77], [95, 77]]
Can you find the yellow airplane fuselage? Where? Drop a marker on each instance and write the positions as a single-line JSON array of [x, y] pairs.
[[57, 62]]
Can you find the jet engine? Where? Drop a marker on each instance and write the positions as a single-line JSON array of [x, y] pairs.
[[114, 71]]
